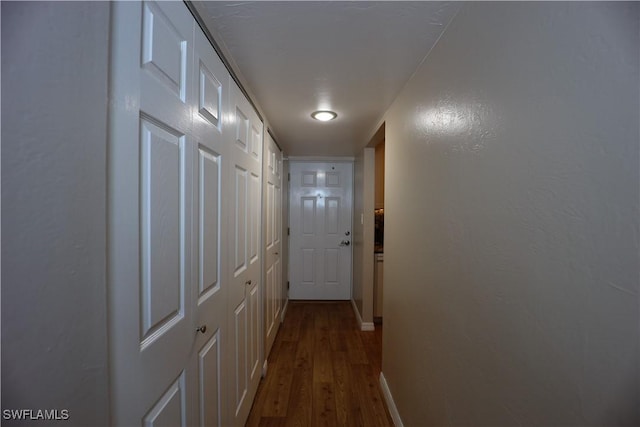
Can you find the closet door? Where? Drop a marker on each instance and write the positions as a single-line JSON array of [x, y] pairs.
[[272, 202], [245, 253], [211, 282], [150, 215], [168, 256]]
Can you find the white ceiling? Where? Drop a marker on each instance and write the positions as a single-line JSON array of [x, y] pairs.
[[349, 57]]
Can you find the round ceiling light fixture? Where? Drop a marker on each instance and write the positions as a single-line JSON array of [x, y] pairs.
[[324, 115]]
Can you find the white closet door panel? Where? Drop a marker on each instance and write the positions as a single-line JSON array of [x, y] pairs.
[[185, 212], [150, 245], [166, 60], [210, 100], [162, 232], [210, 383], [245, 240], [272, 245]]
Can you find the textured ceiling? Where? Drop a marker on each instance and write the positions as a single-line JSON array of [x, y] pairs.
[[349, 57]]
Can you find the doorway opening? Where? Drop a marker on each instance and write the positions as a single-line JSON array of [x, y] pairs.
[[378, 233]]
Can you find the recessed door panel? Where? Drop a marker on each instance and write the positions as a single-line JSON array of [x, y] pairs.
[[209, 224], [270, 297], [162, 293], [240, 213], [209, 95], [256, 143], [277, 267], [241, 367], [309, 179], [332, 179], [254, 248], [242, 130], [209, 380], [332, 215], [269, 214], [171, 408], [308, 265], [308, 212], [164, 50], [277, 217], [254, 331], [331, 265]]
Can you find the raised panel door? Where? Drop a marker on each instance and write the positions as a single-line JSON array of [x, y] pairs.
[[272, 196], [211, 98], [151, 215], [245, 238], [320, 218]]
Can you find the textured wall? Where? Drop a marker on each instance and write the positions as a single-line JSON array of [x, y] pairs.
[[54, 118], [511, 221]]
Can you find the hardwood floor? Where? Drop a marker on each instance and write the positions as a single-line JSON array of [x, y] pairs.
[[323, 371]]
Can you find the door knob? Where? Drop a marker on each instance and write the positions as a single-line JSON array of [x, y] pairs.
[[345, 243], [276, 253], [248, 282], [347, 233], [202, 329]]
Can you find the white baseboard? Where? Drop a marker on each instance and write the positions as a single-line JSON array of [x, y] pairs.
[[284, 310], [364, 326], [367, 326], [393, 410]]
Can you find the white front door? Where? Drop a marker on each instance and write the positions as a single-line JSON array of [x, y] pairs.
[[245, 254], [168, 165], [272, 203], [320, 222]]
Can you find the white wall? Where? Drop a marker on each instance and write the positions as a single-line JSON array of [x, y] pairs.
[[512, 221], [54, 116]]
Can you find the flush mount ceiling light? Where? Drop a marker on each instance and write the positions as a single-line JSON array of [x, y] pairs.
[[324, 115]]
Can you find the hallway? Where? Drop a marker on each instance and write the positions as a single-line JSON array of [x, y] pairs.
[[149, 223], [322, 371]]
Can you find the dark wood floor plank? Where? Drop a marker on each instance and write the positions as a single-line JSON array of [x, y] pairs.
[[355, 349], [272, 422], [276, 402], [370, 396], [322, 366], [324, 405], [322, 371], [342, 389], [337, 340], [300, 405]]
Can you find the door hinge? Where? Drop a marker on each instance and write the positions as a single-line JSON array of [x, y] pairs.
[[288, 177], [287, 285], [288, 231]]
